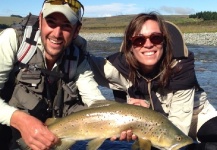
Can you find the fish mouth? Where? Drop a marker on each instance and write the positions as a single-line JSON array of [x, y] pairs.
[[178, 145]]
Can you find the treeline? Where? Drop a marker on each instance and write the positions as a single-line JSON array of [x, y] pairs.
[[205, 15], [18, 16]]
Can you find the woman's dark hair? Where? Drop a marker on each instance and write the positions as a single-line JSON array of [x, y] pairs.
[[134, 28]]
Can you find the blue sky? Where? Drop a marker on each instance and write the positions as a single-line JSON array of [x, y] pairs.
[[102, 8]]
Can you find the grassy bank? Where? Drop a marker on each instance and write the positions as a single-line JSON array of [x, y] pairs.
[[117, 24], [9, 20]]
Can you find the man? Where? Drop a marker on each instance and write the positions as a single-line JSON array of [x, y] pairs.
[[43, 87]]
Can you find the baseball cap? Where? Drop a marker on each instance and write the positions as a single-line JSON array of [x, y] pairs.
[[72, 9]]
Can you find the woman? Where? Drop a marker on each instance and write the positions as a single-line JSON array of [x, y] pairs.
[[153, 72]]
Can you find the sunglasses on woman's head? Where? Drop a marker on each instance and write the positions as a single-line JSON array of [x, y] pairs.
[[139, 40], [75, 5]]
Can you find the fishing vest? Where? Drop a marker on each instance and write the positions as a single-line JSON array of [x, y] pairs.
[[33, 88]]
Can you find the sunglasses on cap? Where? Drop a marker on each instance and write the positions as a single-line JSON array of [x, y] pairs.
[[139, 40], [75, 5]]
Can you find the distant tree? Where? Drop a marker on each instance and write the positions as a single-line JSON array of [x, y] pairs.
[[18, 16], [205, 15]]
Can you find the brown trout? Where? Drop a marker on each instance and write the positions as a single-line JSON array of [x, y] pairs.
[[105, 119]]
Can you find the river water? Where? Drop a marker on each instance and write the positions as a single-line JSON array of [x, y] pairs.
[[206, 71]]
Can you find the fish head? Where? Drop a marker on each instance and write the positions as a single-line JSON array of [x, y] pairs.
[[175, 144], [174, 139], [180, 141]]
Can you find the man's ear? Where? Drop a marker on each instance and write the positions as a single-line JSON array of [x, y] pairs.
[[40, 19], [77, 29]]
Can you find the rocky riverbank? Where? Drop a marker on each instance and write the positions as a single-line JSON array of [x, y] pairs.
[[209, 39]]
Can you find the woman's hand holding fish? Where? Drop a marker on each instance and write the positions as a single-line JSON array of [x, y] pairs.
[[139, 102]]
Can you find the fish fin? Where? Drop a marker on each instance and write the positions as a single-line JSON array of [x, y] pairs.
[[102, 103], [95, 143], [142, 144], [135, 145], [64, 144], [50, 121], [22, 144]]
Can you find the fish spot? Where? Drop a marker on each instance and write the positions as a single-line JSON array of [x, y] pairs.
[[150, 129], [56, 130]]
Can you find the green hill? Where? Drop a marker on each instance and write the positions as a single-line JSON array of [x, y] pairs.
[[9, 20], [119, 23]]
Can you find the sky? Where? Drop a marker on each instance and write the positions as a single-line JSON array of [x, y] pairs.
[[106, 8]]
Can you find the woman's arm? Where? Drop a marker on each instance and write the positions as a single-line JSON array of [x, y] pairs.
[[181, 109], [33, 131]]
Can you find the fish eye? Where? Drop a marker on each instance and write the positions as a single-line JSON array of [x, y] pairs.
[[178, 138]]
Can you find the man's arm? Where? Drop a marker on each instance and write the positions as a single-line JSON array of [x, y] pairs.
[[181, 109], [8, 48], [34, 132]]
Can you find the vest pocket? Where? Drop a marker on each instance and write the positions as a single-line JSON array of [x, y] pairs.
[[22, 98], [28, 90], [32, 80]]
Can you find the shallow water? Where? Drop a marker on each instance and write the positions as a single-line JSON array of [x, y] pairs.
[[206, 71]]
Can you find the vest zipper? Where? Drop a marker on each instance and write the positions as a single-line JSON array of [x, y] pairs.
[[149, 86]]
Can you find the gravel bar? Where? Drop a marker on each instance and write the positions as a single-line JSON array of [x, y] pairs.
[[209, 39]]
